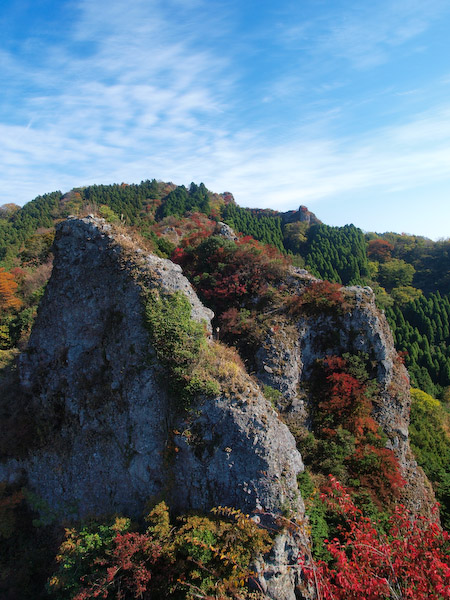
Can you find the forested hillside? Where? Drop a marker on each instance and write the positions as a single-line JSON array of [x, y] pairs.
[[409, 274], [241, 276]]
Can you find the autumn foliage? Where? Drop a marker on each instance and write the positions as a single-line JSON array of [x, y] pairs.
[[199, 557], [210, 557], [320, 297], [226, 272], [346, 390], [379, 249], [409, 561], [8, 289]]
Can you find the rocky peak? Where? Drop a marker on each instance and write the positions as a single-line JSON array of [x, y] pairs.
[[226, 231], [302, 214], [110, 435]]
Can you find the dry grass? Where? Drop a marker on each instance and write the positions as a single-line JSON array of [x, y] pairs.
[[130, 240], [224, 365]]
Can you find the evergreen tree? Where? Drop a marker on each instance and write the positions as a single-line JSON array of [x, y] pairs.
[[337, 254]]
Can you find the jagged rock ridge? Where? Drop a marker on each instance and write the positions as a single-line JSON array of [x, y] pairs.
[[110, 435], [110, 438], [287, 358], [96, 381]]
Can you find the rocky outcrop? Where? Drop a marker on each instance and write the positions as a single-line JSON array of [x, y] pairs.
[[287, 357], [302, 214], [225, 231], [110, 437]]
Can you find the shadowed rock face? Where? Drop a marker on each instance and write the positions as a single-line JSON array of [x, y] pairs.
[[110, 435]]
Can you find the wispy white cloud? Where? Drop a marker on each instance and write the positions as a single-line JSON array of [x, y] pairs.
[[144, 91], [365, 34], [146, 95]]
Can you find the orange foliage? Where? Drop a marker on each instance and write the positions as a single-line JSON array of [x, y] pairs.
[[8, 289], [379, 250]]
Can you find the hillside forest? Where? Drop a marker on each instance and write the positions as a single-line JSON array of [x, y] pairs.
[[205, 555]]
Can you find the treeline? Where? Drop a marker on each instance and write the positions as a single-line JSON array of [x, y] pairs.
[[180, 200], [134, 204], [421, 331], [150, 200], [410, 275], [430, 260], [17, 225], [337, 254], [127, 201], [264, 227]]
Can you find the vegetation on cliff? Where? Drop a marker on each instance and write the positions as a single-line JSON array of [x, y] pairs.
[[243, 279], [429, 435]]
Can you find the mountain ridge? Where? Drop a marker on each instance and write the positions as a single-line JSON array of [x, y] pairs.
[[114, 323]]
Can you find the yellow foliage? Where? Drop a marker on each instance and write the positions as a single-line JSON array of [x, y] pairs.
[[159, 521], [121, 524], [425, 400]]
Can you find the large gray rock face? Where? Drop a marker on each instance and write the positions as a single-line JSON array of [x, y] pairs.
[[97, 384], [286, 360], [110, 435], [94, 378], [216, 448]]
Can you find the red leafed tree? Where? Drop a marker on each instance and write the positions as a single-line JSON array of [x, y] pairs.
[[346, 401], [126, 572], [411, 561], [379, 250], [225, 272], [8, 289], [319, 297]]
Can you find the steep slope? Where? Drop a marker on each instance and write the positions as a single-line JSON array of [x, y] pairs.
[[105, 411], [353, 326], [111, 434], [129, 407]]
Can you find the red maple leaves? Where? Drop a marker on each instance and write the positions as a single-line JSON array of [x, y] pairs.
[[409, 561]]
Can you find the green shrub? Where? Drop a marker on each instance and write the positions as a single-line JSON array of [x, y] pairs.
[[430, 443], [180, 344], [316, 511], [108, 214], [274, 396]]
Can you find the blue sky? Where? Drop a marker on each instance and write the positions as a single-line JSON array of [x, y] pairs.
[[341, 105]]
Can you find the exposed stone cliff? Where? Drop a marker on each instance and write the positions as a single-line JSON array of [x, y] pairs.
[[287, 358], [105, 410], [110, 437]]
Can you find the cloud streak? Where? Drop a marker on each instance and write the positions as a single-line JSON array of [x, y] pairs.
[[365, 34], [145, 96]]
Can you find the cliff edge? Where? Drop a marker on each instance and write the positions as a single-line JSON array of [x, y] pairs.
[[110, 432]]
